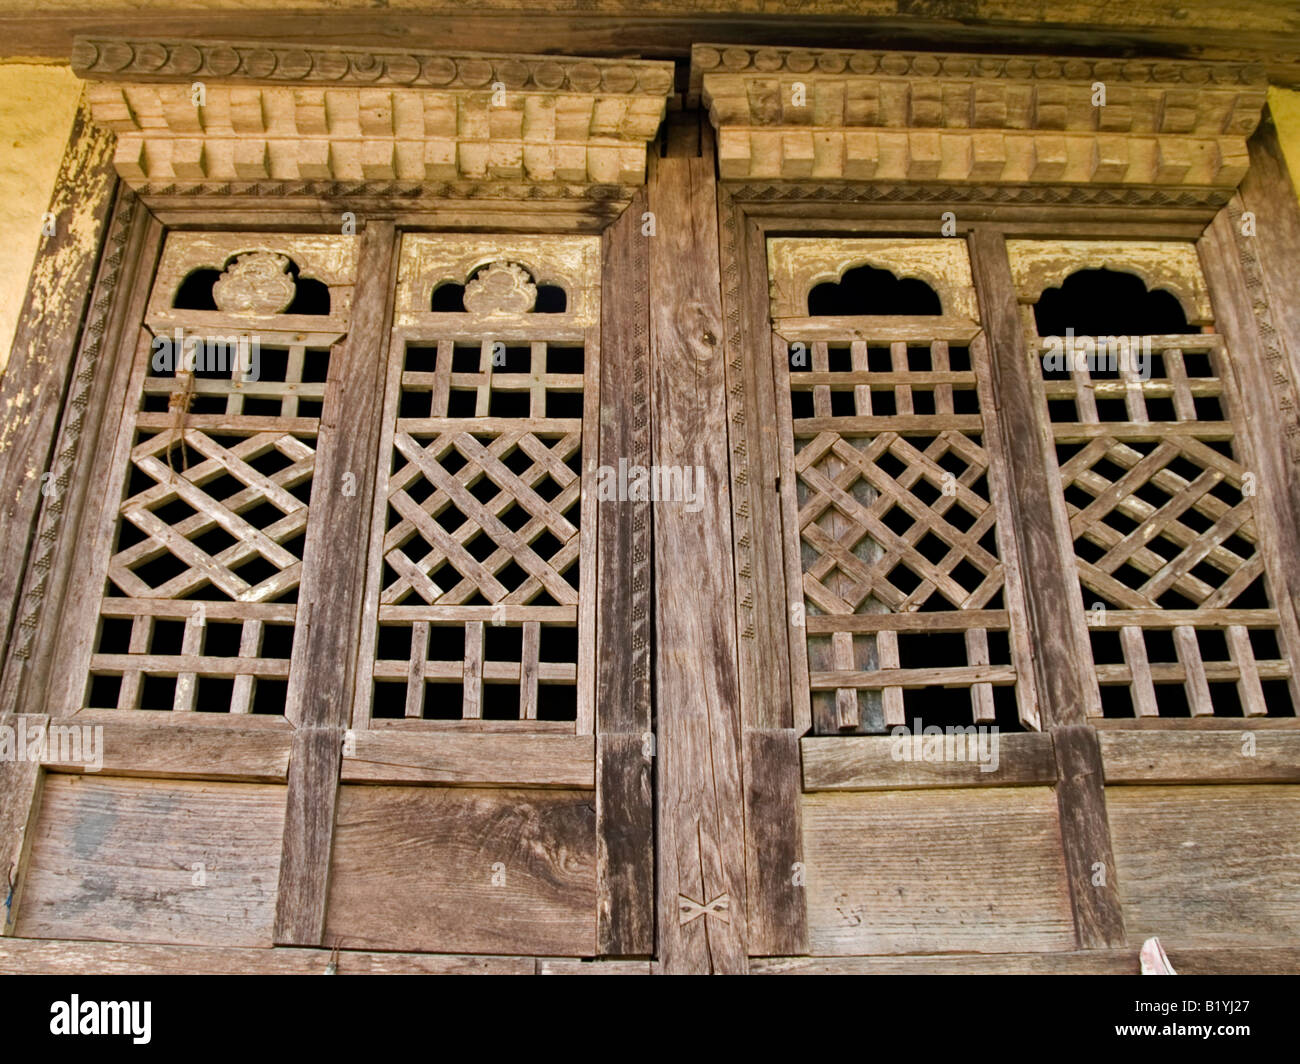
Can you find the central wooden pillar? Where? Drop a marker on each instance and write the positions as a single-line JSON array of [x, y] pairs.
[[700, 796]]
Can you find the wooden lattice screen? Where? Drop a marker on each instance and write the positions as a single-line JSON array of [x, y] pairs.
[[1160, 499], [892, 476], [481, 566], [215, 456]]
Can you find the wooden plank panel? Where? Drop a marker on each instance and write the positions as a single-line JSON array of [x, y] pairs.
[[1222, 756], [20, 793], [154, 744], [63, 957], [921, 872], [868, 763], [464, 871], [492, 760], [118, 859], [701, 805], [1257, 960], [1208, 866]]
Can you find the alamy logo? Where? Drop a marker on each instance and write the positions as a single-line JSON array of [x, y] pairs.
[[79, 744], [102, 1017], [1097, 354], [956, 743], [637, 483], [240, 355]]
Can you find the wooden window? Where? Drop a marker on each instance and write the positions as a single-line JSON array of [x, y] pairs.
[[1157, 485], [892, 476], [202, 546], [481, 613], [895, 484]]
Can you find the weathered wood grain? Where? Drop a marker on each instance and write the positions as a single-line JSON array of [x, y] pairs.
[[1221, 756], [468, 760], [868, 763], [1259, 960], [624, 794], [774, 860], [154, 744], [20, 796], [553, 966], [927, 871], [152, 861], [625, 845], [1208, 866], [463, 870], [64, 957], [313, 783], [700, 797], [41, 357], [323, 665], [1085, 837]]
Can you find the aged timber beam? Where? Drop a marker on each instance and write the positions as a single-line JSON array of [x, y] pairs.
[[701, 889], [624, 740], [1066, 684], [330, 601]]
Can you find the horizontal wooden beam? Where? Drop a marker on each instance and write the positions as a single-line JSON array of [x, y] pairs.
[[1226, 756], [869, 763], [478, 760], [1273, 960]]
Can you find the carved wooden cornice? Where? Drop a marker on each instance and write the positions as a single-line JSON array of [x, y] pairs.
[[892, 116], [347, 115]]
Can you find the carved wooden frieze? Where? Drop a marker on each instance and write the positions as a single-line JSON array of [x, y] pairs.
[[500, 277], [255, 279], [1037, 265], [193, 113], [797, 265], [893, 116]]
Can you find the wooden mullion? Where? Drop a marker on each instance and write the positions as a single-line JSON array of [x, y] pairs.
[[700, 792], [1066, 683], [332, 593], [472, 673], [250, 646], [415, 670], [625, 842]]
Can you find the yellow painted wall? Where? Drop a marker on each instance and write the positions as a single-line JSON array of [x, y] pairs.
[[37, 105], [1285, 106]]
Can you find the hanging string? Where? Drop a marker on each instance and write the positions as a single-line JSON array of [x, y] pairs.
[[178, 405]]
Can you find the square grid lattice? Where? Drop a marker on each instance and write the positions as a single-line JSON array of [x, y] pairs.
[[903, 583], [1162, 515]]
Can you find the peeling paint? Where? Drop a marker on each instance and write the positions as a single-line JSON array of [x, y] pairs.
[[37, 104]]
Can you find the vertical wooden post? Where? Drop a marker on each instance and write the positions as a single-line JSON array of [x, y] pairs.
[[624, 743], [40, 362], [701, 860], [777, 912], [1067, 684], [332, 594]]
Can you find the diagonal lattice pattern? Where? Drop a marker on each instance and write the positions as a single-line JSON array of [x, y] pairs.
[[483, 517], [1162, 523], [897, 521], [229, 525]]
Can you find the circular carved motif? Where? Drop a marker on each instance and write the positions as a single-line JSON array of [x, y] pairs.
[[501, 288], [255, 283]]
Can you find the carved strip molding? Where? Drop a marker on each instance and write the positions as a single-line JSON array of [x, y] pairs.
[[890, 116], [190, 113], [1037, 265]]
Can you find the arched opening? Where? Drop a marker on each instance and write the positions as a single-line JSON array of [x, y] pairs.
[[866, 290], [1108, 303]]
